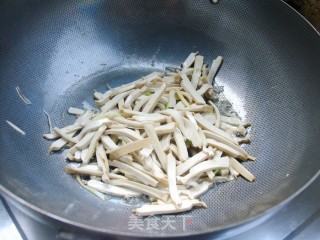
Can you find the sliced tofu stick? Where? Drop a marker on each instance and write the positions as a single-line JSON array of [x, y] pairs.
[[199, 108], [84, 118], [67, 130], [187, 96], [130, 147], [130, 123], [179, 106], [93, 144], [173, 148], [177, 117], [201, 188], [84, 152], [133, 96], [76, 111], [60, 143], [205, 70], [129, 113], [209, 116], [172, 98], [155, 160], [150, 118], [203, 167], [112, 190], [90, 169], [146, 79], [171, 172], [232, 129], [105, 97], [208, 126], [197, 71], [153, 192], [103, 162], [127, 87], [144, 178], [181, 145], [152, 134], [182, 99], [115, 92], [241, 169], [168, 89], [227, 149], [166, 128], [218, 138], [146, 152], [168, 208], [165, 141], [187, 86], [241, 140], [160, 106], [233, 172], [124, 132], [93, 126], [114, 101], [193, 134], [121, 104], [139, 103], [214, 68], [188, 71], [108, 143], [64, 135], [217, 112], [210, 175], [171, 79], [100, 195], [77, 155], [204, 88], [231, 120], [192, 119], [189, 60], [123, 140], [203, 137], [85, 141], [117, 176], [154, 99], [184, 167]]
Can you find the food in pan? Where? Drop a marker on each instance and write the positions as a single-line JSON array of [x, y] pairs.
[[162, 135]]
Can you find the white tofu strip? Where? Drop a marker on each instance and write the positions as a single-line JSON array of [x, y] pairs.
[[214, 68], [169, 208], [112, 190]]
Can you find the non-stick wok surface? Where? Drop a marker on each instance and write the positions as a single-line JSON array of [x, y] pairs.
[[57, 52]]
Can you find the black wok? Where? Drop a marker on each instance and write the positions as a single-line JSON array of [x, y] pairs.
[[57, 52]]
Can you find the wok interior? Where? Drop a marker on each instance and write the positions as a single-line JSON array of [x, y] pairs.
[[58, 52]]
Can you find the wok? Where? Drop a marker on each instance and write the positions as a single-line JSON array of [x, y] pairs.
[[57, 52]]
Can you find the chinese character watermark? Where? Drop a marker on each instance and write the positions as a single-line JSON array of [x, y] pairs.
[[135, 223], [165, 222]]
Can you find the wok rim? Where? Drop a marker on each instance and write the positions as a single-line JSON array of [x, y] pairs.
[[266, 214], [238, 227]]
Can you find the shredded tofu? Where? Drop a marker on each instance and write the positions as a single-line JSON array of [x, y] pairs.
[[162, 135], [22, 96], [16, 128]]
